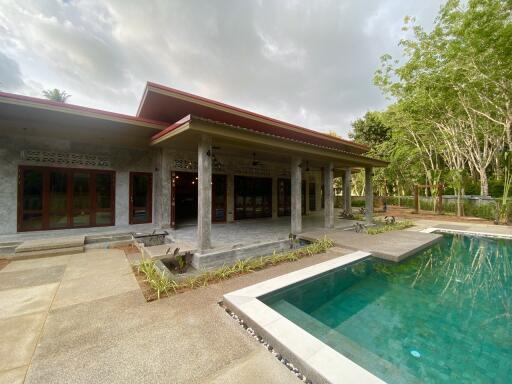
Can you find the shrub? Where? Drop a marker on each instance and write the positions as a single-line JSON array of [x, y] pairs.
[[385, 227], [160, 284]]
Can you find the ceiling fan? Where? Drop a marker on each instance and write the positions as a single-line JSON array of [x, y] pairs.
[[254, 161]]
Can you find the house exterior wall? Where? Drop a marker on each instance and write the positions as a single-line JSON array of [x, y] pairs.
[[158, 161], [22, 150]]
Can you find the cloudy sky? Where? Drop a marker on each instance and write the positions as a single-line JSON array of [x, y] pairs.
[[306, 62]]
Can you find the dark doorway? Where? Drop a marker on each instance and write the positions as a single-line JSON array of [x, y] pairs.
[[284, 197], [184, 193], [312, 196]]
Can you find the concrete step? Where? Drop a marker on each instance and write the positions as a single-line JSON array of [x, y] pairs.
[[49, 247]]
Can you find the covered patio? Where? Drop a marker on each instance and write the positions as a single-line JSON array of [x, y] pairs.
[[218, 144]]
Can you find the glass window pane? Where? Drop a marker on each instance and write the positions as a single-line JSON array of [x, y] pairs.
[[58, 213], [103, 218], [103, 190], [32, 190], [140, 190], [81, 193], [33, 220], [81, 219]]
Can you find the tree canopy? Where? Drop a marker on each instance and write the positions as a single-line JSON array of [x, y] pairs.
[[56, 95], [451, 116]]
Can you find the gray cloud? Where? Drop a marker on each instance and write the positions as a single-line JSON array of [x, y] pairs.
[[310, 63], [10, 74]]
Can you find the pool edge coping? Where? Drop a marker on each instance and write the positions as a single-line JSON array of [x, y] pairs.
[[466, 232], [316, 359]]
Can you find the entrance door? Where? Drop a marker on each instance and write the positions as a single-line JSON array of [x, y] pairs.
[[284, 197], [184, 198], [141, 197], [253, 197], [56, 198]]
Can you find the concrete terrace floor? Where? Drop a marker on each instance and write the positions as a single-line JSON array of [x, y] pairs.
[[256, 230], [82, 319]]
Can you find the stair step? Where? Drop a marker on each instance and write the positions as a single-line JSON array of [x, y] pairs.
[[46, 253], [49, 247]]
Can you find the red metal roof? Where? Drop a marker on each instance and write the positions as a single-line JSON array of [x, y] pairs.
[[171, 127], [11, 97], [167, 104]]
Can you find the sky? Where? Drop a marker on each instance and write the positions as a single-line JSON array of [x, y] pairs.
[[307, 62]]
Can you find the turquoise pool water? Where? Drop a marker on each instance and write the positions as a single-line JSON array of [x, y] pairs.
[[441, 316]]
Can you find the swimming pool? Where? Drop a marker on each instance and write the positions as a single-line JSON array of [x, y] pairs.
[[443, 315]]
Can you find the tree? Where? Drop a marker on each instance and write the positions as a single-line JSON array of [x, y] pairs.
[[370, 130], [56, 95], [454, 88]]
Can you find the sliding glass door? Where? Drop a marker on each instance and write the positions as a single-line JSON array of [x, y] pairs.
[[56, 198], [253, 197]]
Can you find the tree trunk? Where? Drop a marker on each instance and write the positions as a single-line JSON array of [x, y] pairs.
[[484, 183], [459, 210]]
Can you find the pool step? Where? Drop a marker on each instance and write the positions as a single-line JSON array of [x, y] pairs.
[[49, 247]]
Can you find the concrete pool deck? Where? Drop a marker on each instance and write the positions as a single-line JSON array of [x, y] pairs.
[[392, 246], [82, 318]]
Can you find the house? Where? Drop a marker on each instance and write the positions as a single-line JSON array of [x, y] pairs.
[[181, 159]]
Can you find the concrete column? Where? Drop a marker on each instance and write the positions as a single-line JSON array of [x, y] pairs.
[[328, 196], [347, 191], [162, 189], [368, 192], [296, 174], [204, 193], [274, 197]]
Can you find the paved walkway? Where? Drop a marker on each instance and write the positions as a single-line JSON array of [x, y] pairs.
[[82, 319]]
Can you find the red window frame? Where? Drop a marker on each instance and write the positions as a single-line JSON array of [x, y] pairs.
[[45, 212]]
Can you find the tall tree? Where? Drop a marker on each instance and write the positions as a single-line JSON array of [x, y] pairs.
[[56, 95], [456, 84]]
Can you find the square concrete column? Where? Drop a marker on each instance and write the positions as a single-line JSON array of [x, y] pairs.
[[368, 192], [296, 195], [328, 196], [204, 193], [162, 189], [347, 191]]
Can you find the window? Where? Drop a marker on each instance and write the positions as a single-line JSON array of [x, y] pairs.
[[56, 198], [141, 197]]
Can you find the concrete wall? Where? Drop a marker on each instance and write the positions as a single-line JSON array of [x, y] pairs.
[[120, 160]]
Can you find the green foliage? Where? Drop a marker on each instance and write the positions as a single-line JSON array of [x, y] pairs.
[[358, 203], [160, 284], [156, 279], [383, 227], [452, 100], [56, 95], [370, 130]]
